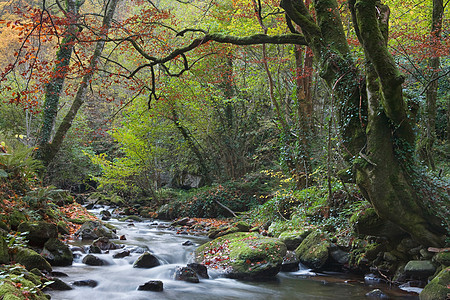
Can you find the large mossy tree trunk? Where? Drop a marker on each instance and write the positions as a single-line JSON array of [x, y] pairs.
[[377, 133]]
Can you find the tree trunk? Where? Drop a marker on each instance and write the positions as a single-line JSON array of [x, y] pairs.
[[379, 142], [49, 150], [56, 81]]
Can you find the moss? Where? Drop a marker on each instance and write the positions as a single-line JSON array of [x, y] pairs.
[[15, 218], [437, 288], [243, 255], [31, 259], [17, 287], [313, 251], [442, 258]]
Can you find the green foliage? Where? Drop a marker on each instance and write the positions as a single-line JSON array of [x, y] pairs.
[[19, 163]]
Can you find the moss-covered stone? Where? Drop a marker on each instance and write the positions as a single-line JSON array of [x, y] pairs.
[[437, 289], [313, 251], [442, 258], [4, 254], [368, 222], [3, 226], [293, 238], [38, 232], [18, 284], [92, 230], [15, 218], [31, 259], [63, 228], [57, 253], [243, 255], [420, 268]]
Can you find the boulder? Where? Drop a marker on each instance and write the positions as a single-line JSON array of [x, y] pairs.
[[92, 260], [243, 255], [104, 244], [292, 239], [152, 285], [442, 258], [57, 253], [31, 259], [146, 260], [420, 268], [16, 217], [59, 285], [38, 232], [186, 274], [313, 251], [438, 288], [290, 262], [180, 222], [369, 223], [92, 230], [200, 269], [63, 228], [4, 254]]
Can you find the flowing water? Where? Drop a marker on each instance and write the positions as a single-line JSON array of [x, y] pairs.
[[119, 280]]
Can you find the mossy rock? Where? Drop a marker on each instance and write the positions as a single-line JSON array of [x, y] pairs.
[[15, 218], [437, 289], [243, 255], [92, 230], [240, 226], [420, 268], [31, 259], [9, 289], [313, 251], [38, 232], [131, 218], [4, 226], [63, 228], [442, 258], [4, 254], [293, 238], [57, 253]]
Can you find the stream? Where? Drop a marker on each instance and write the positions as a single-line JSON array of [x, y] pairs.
[[119, 280]]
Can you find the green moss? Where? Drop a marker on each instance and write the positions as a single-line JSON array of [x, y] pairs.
[[313, 251], [31, 259], [438, 287], [442, 258]]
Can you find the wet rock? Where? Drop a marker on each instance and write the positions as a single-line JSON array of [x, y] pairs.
[[438, 288], [313, 251], [180, 222], [146, 260], [95, 249], [57, 253], [38, 232], [188, 243], [106, 215], [152, 285], [340, 256], [92, 230], [290, 262], [59, 285], [63, 228], [420, 268], [186, 274], [140, 249], [377, 293], [77, 249], [200, 269], [104, 244], [92, 260], [122, 238], [88, 283], [243, 255], [59, 274], [31, 259], [121, 254]]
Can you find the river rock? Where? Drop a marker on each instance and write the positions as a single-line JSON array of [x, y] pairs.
[[146, 260], [180, 222], [59, 285], [104, 244], [106, 215], [188, 243], [92, 260], [200, 269], [152, 285], [121, 254], [186, 274], [377, 293], [243, 255], [438, 288], [92, 230], [420, 268], [292, 239], [313, 251], [57, 253], [88, 282], [38, 232], [31, 259], [290, 262]]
